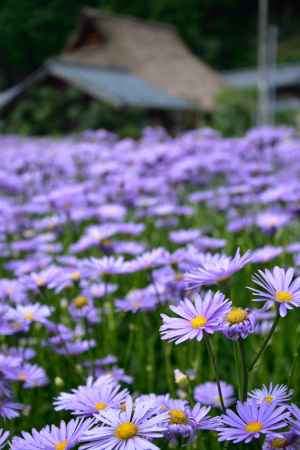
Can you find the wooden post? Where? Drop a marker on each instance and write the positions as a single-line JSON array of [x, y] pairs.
[[263, 110]]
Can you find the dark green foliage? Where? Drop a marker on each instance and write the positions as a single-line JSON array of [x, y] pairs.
[[33, 30], [49, 110], [222, 32], [236, 110], [288, 117]]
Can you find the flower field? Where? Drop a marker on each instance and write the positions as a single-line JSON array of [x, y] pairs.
[[150, 291]]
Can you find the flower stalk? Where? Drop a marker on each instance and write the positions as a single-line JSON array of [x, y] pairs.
[[244, 370], [266, 341], [215, 367]]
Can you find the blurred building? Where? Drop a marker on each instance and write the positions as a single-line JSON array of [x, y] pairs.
[[128, 62], [284, 81]]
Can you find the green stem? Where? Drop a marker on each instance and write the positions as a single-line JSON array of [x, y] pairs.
[[168, 368], [215, 366], [237, 360], [244, 371], [266, 341], [294, 363], [132, 329], [90, 350]]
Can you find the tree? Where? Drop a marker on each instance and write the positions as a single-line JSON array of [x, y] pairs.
[[33, 30]]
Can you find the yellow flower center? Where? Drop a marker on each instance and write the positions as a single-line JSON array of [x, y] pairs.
[[236, 315], [177, 416], [80, 302], [106, 241], [40, 281], [272, 221], [269, 398], [198, 322], [126, 430], [217, 400], [136, 304], [29, 316], [279, 442], [62, 445], [75, 276], [100, 405], [253, 427], [284, 296], [22, 376]]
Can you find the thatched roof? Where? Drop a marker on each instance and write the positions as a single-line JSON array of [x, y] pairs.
[[150, 51], [128, 62]]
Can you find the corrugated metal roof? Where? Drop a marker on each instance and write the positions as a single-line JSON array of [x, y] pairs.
[[118, 87], [8, 96], [282, 76]]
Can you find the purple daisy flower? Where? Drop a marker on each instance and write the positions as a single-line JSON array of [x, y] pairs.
[[288, 440], [116, 373], [272, 220], [40, 280], [295, 421], [207, 394], [184, 236], [278, 286], [215, 268], [107, 265], [264, 320], [278, 394], [266, 254], [239, 323], [293, 247], [88, 400], [75, 348], [29, 313], [133, 428], [149, 260], [9, 409], [204, 314], [82, 307], [206, 242], [184, 420], [251, 421], [30, 375], [63, 437], [3, 438], [137, 300]]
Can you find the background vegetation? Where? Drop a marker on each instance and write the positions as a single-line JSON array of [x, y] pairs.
[[44, 111], [222, 32], [33, 30]]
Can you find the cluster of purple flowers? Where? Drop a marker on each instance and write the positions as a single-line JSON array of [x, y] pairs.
[[101, 237]]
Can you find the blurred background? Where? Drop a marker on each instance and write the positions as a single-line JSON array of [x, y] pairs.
[[70, 65]]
